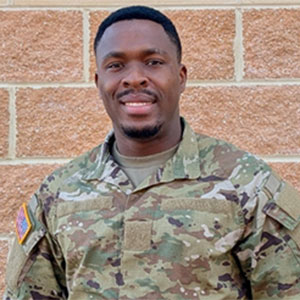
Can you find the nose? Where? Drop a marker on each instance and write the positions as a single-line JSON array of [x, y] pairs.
[[135, 77]]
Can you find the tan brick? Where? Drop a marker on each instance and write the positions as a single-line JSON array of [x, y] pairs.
[[3, 2], [42, 46], [59, 122], [271, 43], [4, 122], [288, 171], [118, 2], [260, 119], [207, 39], [17, 188], [3, 259], [95, 19]]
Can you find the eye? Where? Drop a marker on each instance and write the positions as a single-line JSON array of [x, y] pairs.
[[154, 62], [114, 66]]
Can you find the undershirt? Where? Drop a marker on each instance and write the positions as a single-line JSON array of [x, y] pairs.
[[140, 167]]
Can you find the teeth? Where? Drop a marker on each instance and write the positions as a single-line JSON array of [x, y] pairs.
[[136, 103]]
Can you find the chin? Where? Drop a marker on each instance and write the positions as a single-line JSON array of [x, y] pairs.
[[144, 133]]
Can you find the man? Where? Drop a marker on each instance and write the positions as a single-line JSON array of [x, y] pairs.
[[157, 211]]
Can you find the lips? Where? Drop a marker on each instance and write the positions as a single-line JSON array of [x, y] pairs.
[[138, 108], [139, 104], [132, 95]]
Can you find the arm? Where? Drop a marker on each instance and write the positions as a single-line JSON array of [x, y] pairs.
[[35, 268], [270, 252]]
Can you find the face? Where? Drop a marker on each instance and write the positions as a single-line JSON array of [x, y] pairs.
[[140, 79]]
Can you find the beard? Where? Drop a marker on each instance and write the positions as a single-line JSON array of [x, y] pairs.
[[141, 133]]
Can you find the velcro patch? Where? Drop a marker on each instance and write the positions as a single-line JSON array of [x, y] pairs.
[[137, 235], [23, 224], [272, 184], [201, 204]]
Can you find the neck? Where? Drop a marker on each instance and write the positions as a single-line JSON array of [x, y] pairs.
[[164, 140]]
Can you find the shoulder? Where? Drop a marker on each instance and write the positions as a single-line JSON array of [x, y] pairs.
[[76, 168], [66, 179], [238, 175], [228, 161]]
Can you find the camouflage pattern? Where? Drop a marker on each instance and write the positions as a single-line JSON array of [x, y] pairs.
[[214, 222]]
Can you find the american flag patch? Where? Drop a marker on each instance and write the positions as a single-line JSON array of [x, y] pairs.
[[23, 224]]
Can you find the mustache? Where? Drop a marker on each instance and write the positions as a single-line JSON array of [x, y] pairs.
[[132, 91]]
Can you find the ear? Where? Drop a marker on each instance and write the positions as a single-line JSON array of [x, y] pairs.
[[183, 77], [96, 79]]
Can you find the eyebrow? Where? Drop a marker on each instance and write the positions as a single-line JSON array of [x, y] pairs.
[[116, 54], [146, 52], [155, 51]]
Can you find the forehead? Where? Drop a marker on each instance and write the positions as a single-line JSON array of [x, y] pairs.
[[135, 34]]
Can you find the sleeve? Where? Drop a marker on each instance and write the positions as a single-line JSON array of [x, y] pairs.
[[270, 252], [35, 268]]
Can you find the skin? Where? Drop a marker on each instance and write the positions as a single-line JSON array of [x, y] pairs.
[[140, 82]]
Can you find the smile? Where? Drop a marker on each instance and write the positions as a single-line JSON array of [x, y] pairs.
[[137, 103], [138, 108]]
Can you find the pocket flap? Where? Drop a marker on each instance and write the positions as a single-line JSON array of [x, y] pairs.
[[289, 200], [285, 208], [70, 207], [200, 204]]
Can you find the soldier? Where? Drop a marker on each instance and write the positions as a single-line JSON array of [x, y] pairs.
[[156, 211]]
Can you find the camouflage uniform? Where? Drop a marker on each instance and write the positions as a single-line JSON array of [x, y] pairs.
[[214, 222]]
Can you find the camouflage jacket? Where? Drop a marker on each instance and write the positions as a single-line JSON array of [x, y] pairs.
[[213, 222]]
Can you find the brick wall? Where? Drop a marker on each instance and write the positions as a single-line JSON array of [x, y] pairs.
[[243, 59]]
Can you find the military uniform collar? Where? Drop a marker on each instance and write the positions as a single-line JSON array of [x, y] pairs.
[[183, 165]]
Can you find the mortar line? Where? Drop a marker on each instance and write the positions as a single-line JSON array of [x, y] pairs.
[[280, 159], [239, 4], [270, 5], [206, 6], [5, 237], [198, 83], [283, 79], [191, 83], [111, 8], [292, 158], [41, 8], [86, 45], [48, 85], [34, 161], [12, 124], [161, 6], [238, 47]]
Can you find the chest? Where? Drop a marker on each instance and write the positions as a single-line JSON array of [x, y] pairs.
[[171, 239]]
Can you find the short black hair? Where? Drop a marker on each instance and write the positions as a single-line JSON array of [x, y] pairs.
[[141, 13]]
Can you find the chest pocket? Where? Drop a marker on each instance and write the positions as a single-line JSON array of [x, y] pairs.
[[80, 224], [192, 228], [88, 233]]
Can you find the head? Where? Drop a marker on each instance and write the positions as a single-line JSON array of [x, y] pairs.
[[139, 74], [140, 13]]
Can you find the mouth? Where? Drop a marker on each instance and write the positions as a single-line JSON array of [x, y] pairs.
[[138, 104], [138, 108]]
